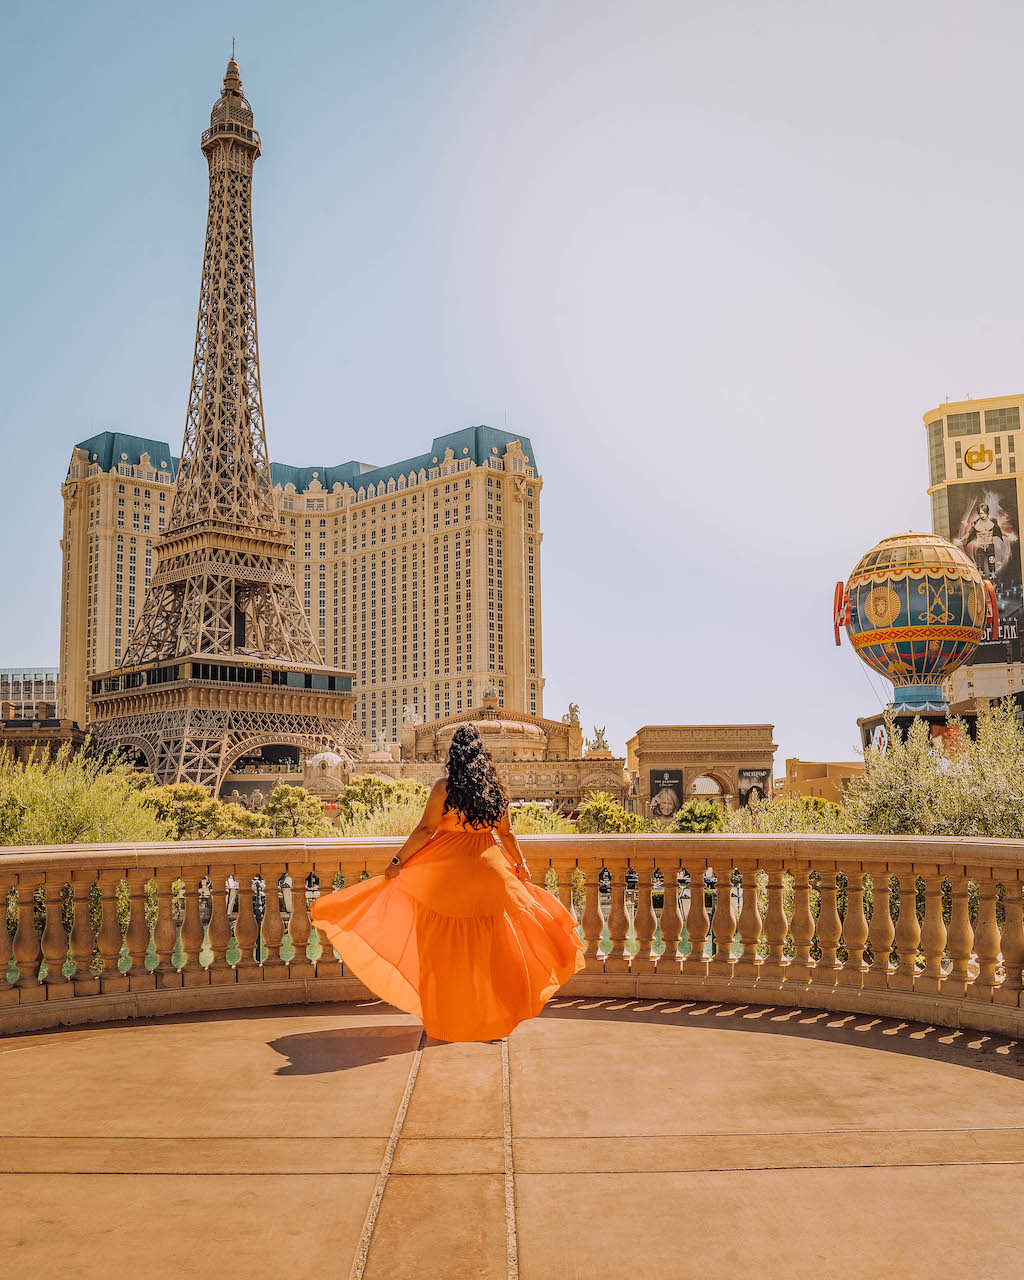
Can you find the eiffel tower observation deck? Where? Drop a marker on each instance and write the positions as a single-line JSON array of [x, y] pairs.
[[223, 662]]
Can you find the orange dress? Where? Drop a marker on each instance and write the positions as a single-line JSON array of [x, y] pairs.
[[456, 938]]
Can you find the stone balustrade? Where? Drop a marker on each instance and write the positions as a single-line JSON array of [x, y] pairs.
[[921, 928]]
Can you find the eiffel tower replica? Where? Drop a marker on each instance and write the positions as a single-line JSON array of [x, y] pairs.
[[223, 661]]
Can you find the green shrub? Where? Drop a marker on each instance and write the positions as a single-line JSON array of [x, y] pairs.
[[601, 813], [76, 798], [698, 816]]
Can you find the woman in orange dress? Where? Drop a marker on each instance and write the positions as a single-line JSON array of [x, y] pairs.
[[454, 931]]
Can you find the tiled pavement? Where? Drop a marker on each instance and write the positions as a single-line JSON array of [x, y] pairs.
[[605, 1138]]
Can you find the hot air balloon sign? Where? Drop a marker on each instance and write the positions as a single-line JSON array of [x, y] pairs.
[[915, 609]]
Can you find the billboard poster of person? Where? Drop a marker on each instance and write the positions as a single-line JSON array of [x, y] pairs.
[[666, 792], [754, 782], [984, 523]]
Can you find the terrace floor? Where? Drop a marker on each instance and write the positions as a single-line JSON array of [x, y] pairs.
[[605, 1138]]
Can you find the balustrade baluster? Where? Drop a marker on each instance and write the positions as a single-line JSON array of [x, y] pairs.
[[246, 929], [55, 939], [219, 931], [8, 993], [776, 927], [933, 937], [644, 920], [137, 937], [300, 965], [593, 921], [959, 937], [274, 968], [1009, 992], [328, 964], [881, 931], [855, 931], [671, 920], [165, 933], [801, 928], [908, 934], [749, 927], [697, 922], [192, 931], [986, 939], [829, 929], [82, 940], [617, 959], [723, 925], [564, 870], [26, 944], [109, 938]]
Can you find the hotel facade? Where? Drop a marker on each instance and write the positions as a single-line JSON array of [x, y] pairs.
[[975, 489], [423, 578]]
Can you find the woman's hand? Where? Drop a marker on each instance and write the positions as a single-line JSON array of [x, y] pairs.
[[391, 870]]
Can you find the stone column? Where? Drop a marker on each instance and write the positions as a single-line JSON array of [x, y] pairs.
[[908, 934], [671, 920], [55, 939]]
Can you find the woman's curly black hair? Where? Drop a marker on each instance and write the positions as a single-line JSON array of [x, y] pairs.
[[474, 788]]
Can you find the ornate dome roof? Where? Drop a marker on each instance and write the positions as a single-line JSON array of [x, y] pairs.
[[527, 733], [330, 758]]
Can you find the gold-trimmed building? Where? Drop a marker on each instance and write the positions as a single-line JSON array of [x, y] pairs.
[[423, 578], [670, 764], [975, 489], [547, 761]]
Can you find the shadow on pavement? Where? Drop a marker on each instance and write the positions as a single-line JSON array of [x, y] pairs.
[[984, 1051], [317, 1052]]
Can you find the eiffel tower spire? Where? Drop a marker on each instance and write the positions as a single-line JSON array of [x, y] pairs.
[[222, 584], [222, 593]]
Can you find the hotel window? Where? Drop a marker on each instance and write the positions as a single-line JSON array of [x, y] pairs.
[[963, 424], [1002, 419]]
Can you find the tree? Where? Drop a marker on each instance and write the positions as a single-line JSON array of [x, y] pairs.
[[234, 822], [956, 788], [601, 813], [75, 798], [786, 813], [698, 816], [533, 819], [368, 793], [188, 808], [292, 811]]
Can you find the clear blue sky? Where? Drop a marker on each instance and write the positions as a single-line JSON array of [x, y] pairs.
[[716, 259]]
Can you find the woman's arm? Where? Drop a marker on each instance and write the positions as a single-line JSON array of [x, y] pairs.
[[432, 813], [511, 845]]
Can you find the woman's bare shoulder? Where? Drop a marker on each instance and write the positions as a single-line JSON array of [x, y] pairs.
[[439, 789]]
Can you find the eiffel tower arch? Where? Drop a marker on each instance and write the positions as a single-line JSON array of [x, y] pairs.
[[222, 661]]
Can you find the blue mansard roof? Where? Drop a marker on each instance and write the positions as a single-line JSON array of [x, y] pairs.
[[475, 443], [106, 449]]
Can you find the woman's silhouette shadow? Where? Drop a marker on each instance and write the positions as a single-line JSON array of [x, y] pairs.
[[318, 1052]]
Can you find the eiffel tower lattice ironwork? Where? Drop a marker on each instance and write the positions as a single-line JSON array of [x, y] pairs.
[[223, 661]]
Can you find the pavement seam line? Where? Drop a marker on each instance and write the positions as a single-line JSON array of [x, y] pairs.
[[363, 1248], [511, 1239]]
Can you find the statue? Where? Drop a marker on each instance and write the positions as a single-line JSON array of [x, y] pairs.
[[572, 716], [490, 691], [599, 742], [380, 743], [410, 715]]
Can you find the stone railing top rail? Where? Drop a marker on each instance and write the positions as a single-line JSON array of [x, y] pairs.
[[982, 855]]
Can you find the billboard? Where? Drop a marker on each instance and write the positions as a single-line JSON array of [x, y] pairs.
[[754, 782], [666, 792], [984, 523]]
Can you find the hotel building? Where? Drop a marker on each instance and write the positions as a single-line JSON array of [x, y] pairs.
[[975, 490], [422, 577]]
